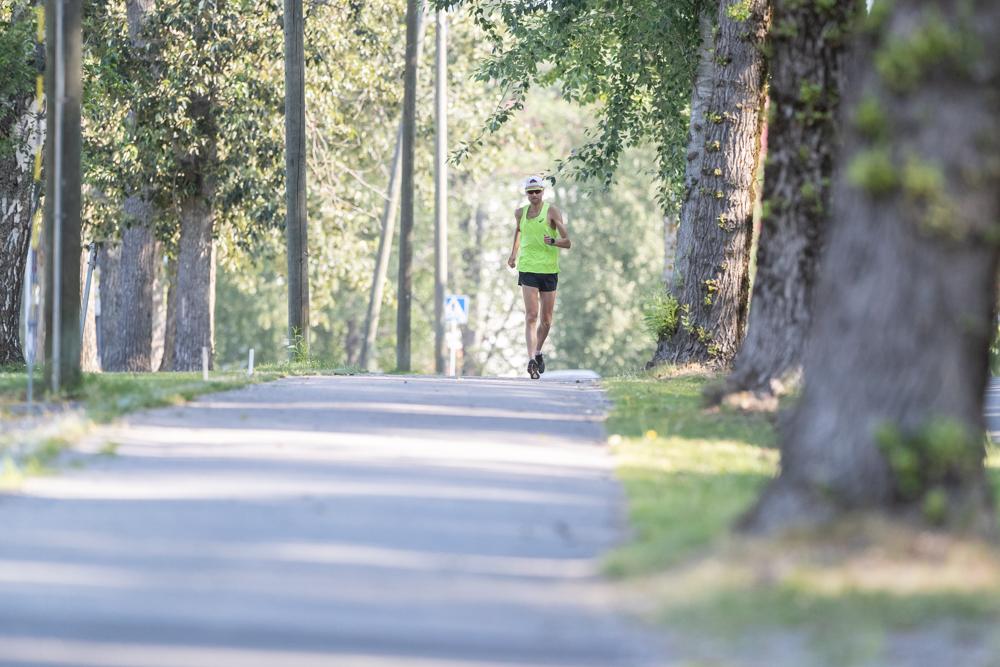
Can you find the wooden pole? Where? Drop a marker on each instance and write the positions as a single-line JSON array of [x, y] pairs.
[[62, 193], [296, 234], [405, 284], [440, 188]]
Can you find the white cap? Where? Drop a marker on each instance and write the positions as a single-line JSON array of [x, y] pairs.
[[534, 182]]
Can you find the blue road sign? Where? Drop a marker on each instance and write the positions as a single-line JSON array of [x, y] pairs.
[[456, 308]]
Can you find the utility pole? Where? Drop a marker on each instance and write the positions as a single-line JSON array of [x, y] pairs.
[[389, 213], [296, 227], [405, 283], [440, 187], [62, 193]]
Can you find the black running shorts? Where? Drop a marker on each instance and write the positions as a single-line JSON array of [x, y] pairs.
[[545, 282]]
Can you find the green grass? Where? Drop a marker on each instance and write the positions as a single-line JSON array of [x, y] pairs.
[[688, 474], [836, 596]]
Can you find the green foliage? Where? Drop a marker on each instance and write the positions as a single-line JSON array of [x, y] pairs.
[[17, 63], [873, 172], [193, 109], [871, 120], [904, 62], [659, 314], [926, 462], [636, 60], [739, 11]]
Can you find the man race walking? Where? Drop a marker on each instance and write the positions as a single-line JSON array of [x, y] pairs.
[[535, 253]]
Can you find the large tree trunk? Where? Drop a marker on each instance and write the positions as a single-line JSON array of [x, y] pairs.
[[711, 282], [127, 275], [128, 268], [22, 123], [891, 415], [701, 96], [194, 316], [807, 79]]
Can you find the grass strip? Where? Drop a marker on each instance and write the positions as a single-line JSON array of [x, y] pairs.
[[688, 474], [856, 593]]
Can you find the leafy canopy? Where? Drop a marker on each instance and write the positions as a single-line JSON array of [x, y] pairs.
[[635, 59]]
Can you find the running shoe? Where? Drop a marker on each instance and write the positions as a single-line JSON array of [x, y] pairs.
[[540, 361], [533, 369]]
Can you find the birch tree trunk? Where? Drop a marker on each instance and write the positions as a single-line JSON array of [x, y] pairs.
[[891, 414], [22, 121], [89, 355], [807, 81], [711, 280]]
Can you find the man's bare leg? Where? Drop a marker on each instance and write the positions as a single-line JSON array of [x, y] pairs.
[[548, 306], [530, 295]]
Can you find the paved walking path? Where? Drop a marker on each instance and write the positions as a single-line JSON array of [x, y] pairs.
[[359, 521]]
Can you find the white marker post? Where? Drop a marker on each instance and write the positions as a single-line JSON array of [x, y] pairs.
[[250, 364], [204, 364]]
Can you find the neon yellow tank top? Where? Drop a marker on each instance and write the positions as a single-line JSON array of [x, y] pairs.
[[534, 256]]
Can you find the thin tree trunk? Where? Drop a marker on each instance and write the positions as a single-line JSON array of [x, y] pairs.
[[89, 360], [127, 276], [807, 81], [711, 282], [472, 264], [159, 306], [389, 213], [891, 414], [352, 341], [194, 318], [170, 317]]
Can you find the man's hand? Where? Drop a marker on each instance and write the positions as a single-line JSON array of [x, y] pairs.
[[512, 261], [549, 240]]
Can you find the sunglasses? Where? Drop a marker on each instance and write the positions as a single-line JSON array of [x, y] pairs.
[[532, 192]]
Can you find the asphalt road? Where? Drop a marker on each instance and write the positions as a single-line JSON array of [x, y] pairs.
[[356, 521]]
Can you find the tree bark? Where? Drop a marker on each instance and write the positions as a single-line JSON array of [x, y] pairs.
[[891, 414], [472, 270], [89, 355], [22, 121], [711, 281], [194, 316], [807, 79], [127, 276], [296, 220], [128, 268], [170, 317], [701, 95], [404, 287]]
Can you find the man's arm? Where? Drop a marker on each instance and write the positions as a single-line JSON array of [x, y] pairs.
[[512, 260], [556, 221]]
